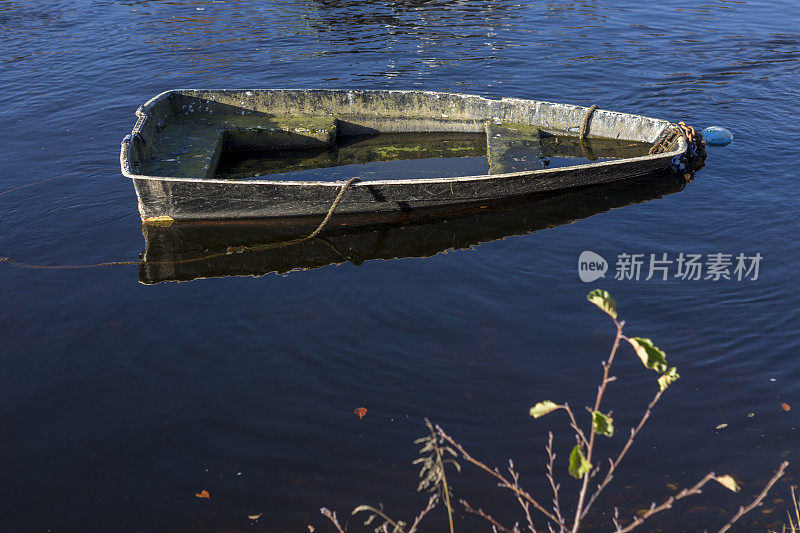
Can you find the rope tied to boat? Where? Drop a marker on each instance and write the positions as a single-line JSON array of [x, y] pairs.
[[346, 185], [585, 123], [230, 250], [249, 248], [587, 152]]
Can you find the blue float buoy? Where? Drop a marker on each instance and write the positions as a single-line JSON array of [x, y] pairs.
[[717, 136]]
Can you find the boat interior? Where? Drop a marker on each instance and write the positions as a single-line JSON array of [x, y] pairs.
[[333, 135]]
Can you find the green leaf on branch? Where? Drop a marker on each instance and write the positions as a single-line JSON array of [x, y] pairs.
[[604, 301], [603, 424], [578, 465], [668, 378], [651, 355], [542, 408], [728, 482]]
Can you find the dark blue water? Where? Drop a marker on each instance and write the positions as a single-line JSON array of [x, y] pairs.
[[120, 400]]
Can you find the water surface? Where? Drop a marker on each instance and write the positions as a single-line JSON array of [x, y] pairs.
[[120, 400]]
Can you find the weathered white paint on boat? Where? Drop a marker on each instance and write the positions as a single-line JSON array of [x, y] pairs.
[[198, 195]]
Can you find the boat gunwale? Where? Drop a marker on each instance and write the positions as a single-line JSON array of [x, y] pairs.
[[143, 116]]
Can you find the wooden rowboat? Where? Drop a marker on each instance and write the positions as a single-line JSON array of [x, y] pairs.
[[183, 138]]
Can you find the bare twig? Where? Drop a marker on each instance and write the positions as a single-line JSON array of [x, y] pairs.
[[331, 515], [551, 458], [763, 494], [505, 483], [696, 489], [615, 463], [431, 504], [615, 519], [666, 504], [794, 527], [574, 424], [526, 506], [485, 516], [579, 510], [397, 527]]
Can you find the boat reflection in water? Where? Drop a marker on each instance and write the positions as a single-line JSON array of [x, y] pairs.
[[194, 250]]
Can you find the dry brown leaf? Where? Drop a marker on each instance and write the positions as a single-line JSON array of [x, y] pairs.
[[203, 494], [786, 407], [254, 516], [360, 411]]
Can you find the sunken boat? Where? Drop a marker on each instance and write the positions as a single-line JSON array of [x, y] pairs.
[[253, 154]]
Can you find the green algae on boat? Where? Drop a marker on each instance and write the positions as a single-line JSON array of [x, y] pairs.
[[174, 150]]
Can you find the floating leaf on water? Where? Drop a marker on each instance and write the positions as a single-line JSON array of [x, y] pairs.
[[203, 494], [578, 465], [750, 415], [254, 516], [728, 482], [722, 426], [360, 411], [542, 408], [672, 486], [786, 407], [604, 301], [651, 355], [603, 424]]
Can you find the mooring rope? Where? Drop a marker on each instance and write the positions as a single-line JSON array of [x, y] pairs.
[[586, 117], [587, 152], [334, 205], [51, 178], [234, 249]]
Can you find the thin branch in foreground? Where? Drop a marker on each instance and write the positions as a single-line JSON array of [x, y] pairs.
[[574, 424], [504, 482], [763, 494], [331, 515], [666, 504], [696, 489], [397, 526], [615, 463], [580, 511], [551, 458], [480, 512], [526, 506], [432, 501]]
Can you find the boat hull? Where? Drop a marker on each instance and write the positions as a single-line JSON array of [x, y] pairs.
[[185, 199], [184, 251], [205, 197]]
